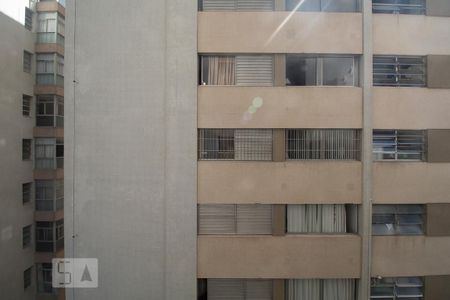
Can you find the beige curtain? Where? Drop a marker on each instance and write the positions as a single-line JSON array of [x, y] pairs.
[[221, 70]]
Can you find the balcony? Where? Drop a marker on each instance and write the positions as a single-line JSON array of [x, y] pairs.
[[410, 34], [292, 256], [279, 32], [290, 182], [282, 107], [410, 182], [410, 256], [411, 108]]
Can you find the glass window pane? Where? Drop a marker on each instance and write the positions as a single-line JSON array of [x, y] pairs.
[[300, 70], [339, 5], [409, 229], [303, 5], [338, 71], [383, 229]]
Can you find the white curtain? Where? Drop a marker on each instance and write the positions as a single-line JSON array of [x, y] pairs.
[[338, 289], [303, 289], [316, 218], [320, 289]]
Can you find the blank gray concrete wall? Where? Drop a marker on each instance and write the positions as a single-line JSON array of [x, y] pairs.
[[438, 8], [438, 71], [14, 127], [130, 137]]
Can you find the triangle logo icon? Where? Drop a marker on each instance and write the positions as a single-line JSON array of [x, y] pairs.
[[86, 275]]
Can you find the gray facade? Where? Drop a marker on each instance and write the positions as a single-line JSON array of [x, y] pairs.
[[14, 171], [130, 146]]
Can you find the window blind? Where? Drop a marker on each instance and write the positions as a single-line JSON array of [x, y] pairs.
[[239, 289], [240, 5], [254, 70], [234, 219]]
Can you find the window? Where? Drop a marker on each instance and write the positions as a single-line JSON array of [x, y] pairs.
[[244, 70], [28, 18], [27, 278], [303, 70], [321, 289], [26, 105], [50, 111], [323, 5], [409, 7], [59, 153], [234, 219], [320, 218], [26, 192], [397, 288], [26, 149], [50, 28], [240, 5], [27, 56], [44, 237], [49, 153], [49, 236], [398, 144], [239, 289], [44, 278], [333, 144], [26, 236], [408, 71], [49, 195], [401, 219], [237, 144], [50, 69]]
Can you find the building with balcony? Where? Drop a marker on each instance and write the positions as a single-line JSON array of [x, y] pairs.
[[32, 147], [263, 149]]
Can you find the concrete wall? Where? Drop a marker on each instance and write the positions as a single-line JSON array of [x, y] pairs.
[[438, 141], [14, 39], [283, 107], [410, 34], [287, 182], [438, 8], [438, 71], [410, 108], [131, 146], [411, 182], [396, 256], [437, 287], [279, 32], [438, 219], [291, 256]]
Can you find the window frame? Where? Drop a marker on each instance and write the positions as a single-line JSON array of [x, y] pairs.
[[26, 105], [27, 61], [27, 192], [320, 71], [27, 149], [396, 213], [399, 8], [398, 70], [27, 277], [27, 236], [395, 144]]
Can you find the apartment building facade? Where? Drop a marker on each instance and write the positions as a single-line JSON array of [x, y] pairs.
[[32, 121], [264, 149]]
